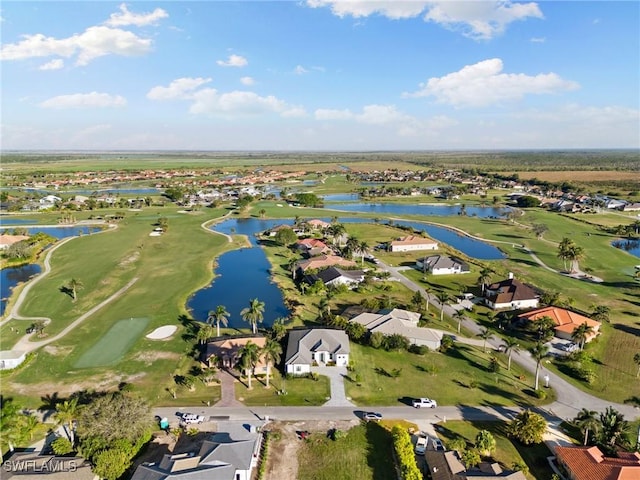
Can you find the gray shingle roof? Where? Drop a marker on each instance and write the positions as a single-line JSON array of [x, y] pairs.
[[303, 342]]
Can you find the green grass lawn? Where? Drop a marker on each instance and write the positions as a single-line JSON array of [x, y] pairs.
[[299, 391], [459, 377], [365, 453], [112, 346], [507, 452]]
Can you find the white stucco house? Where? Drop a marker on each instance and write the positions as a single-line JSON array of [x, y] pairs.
[[442, 265], [321, 346], [411, 243], [511, 294], [11, 358]]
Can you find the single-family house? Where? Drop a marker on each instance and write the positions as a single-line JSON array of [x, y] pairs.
[[272, 232], [35, 466], [631, 207], [442, 265], [510, 293], [230, 454], [447, 465], [319, 262], [589, 463], [315, 345], [11, 358], [225, 352], [411, 243], [312, 247], [7, 240], [48, 201], [400, 322], [565, 321], [317, 224], [334, 276]]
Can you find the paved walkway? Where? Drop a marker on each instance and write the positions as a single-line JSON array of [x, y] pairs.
[[336, 378], [227, 390]]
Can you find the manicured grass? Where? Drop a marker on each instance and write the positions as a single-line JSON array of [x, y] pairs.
[[114, 344], [507, 452], [365, 453], [299, 391], [460, 377]]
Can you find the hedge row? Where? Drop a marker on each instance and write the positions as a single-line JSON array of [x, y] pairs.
[[404, 453]]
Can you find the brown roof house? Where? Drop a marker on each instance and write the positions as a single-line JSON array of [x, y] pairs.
[[224, 352], [589, 463], [411, 243], [565, 321], [7, 240], [510, 293], [448, 466], [312, 247], [321, 261]]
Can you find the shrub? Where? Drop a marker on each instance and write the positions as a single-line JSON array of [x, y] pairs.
[[541, 394], [61, 446], [418, 349], [404, 454], [494, 365], [376, 339], [338, 434], [446, 343], [471, 458]]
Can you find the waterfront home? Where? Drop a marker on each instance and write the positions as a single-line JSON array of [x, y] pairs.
[[316, 224], [334, 276], [225, 352], [510, 293], [319, 262], [442, 265], [412, 243], [319, 346], [7, 240], [565, 321], [312, 247]]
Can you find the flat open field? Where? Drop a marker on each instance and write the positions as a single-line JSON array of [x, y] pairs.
[[579, 175]]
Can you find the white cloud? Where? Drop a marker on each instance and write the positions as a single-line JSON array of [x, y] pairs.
[[233, 61], [330, 114], [483, 84], [474, 19], [382, 115], [55, 64], [587, 115], [538, 40], [85, 100], [125, 17], [94, 42], [294, 112], [210, 101], [300, 70], [180, 88], [248, 81]]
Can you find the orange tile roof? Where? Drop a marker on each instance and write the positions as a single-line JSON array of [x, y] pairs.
[[589, 463], [565, 320], [413, 240]]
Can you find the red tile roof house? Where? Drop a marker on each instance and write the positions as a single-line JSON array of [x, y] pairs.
[[320, 261], [224, 352], [589, 463], [566, 321], [312, 247], [412, 243], [510, 293], [318, 224]]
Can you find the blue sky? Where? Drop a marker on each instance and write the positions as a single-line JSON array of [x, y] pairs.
[[320, 75]]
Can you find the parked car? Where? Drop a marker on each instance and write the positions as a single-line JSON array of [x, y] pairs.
[[436, 444], [421, 445], [189, 418], [571, 347], [424, 403], [372, 416]]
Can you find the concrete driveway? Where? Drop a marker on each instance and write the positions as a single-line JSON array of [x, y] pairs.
[[336, 379]]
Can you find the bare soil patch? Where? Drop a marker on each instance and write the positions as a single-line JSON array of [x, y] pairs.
[[105, 382], [282, 461], [57, 351], [149, 357]]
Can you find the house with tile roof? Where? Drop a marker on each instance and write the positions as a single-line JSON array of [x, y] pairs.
[[334, 276], [319, 262], [565, 321], [317, 224], [412, 243], [7, 240], [442, 265], [315, 345], [510, 293], [225, 352], [589, 463], [400, 322], [312, 247]]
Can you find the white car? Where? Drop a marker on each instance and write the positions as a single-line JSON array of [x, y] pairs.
[[424, 403], [437, 445], [189, 418], [421, 445]]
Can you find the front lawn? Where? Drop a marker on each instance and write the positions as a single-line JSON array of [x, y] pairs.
[[364, 453], [298, 391], [460, 377]]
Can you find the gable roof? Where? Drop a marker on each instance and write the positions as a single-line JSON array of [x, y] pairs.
[[589, 463], [323, 261], [413, 240], [229, 348], [436, 262], [397, 321], [7, 240], [564, 320], [509, 290], [331, 273], [302, 342]]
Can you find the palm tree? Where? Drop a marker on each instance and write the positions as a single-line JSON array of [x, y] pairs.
[[262, 212], [600, 313], [363, 249], [511, 346], [636, 360], [66, 414], [249, 354], [484, 277], [614, 427], [74, 286], [575, 254], [271, 352], [427, 293], [205, 332], [485, 334], [564, 250], [253, 314], [336, 230], [539, 351], [581, 333], [460, 317], [442, 297], [586, 421], [219, 316]]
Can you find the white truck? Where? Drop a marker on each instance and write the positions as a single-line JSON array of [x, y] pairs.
[[424, 403]]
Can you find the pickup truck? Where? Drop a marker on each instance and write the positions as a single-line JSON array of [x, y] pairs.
[[424, 403]]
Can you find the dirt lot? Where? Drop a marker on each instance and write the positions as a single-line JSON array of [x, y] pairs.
[[282, 461]]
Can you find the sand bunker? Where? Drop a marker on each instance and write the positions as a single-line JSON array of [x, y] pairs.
[[162, 332]]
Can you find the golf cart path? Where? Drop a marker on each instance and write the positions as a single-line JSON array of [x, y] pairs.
[[27, 346]]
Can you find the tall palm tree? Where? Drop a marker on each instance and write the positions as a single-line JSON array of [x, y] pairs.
[[271, 352], [564, 250], [600, 313], [586, 421], [539, 351], [253, 314], [427, 293], [363, 249], [511, 346], [205, 332], [219, 316], [485, 334], [581, 333], [248, 356], [442, 297], [484, 277], [74, 286], [336, 230], [614, 427], [66, 414]]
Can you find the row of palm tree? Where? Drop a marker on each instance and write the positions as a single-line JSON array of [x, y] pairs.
[[253, 314], [608, 429], [249, 355]]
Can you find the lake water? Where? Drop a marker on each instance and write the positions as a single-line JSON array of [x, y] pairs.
[[57, 232], [427, 210], [628, 245], [341, 197], [240, 276], [10, 277]]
